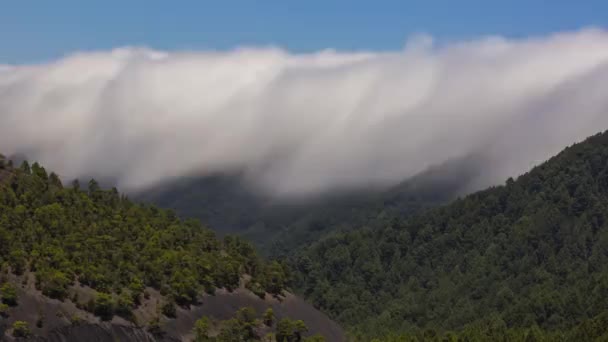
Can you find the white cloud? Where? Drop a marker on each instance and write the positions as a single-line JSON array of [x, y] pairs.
[[301, 123]]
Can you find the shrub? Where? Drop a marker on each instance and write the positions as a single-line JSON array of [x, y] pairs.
[[169, 309], [125, 305], [268, 317], [201, 329], [104, 306], [54, 284], [8, 292], [21, 329], [75, 319]]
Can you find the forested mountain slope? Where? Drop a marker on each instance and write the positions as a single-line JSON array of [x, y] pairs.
[[530, 256], [69, 255], [278, 225]]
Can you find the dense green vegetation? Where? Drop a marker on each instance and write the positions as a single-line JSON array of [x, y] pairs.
[[100, 239], [246, 326], [522, 261], [530, 256], [492, 329]]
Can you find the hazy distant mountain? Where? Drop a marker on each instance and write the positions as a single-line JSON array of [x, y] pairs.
[[279, 224]]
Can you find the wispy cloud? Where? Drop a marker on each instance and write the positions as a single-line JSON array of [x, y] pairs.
[[302, 123]]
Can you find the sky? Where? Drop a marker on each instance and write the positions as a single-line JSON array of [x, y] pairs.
[[35, 32]]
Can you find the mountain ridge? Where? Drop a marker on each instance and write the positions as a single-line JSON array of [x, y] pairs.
[[490, 255]]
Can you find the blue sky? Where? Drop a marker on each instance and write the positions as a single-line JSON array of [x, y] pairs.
[[36, 31]]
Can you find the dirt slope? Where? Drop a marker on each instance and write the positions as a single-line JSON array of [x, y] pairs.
[[63, 321]]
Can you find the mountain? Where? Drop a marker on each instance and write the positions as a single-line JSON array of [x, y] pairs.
[[278, 225], [76, 262], [527, 260], [523, 261]]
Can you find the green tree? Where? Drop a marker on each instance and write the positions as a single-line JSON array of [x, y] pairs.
[[54, 284], [201, 329], [104, 306], [268, 317], [21, 329], [299, 328], [168, 309], [246, 317], [125, 304], [285, 330], [231, 330], [25, 167], [274, 279], [8, 293], [93, 187]]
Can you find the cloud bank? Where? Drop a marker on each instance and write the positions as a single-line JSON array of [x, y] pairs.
[[303, 123]]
